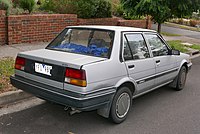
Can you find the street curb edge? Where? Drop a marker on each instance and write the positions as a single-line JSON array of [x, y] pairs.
[[13, 96]]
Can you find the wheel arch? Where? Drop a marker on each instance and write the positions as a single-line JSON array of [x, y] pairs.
[[183, 63], [127, 82]]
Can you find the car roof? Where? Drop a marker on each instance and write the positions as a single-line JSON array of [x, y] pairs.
[[113, 28]]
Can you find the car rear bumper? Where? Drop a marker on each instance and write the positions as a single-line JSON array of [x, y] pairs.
[[83, 102]]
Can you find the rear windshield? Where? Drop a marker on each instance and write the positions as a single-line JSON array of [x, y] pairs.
[[91, 42]]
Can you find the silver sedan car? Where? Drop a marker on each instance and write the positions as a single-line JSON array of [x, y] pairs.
[[101, 68]]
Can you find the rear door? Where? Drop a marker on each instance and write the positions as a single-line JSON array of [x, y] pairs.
[[139, 63], [166, 68]]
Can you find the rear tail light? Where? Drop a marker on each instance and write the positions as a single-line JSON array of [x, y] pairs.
[[75, 77], [20, 63]]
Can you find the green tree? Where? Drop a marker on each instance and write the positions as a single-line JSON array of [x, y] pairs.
[[161, 10]]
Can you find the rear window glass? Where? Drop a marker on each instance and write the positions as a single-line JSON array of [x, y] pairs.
[[91, 42]]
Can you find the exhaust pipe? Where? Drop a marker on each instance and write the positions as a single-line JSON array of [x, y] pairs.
[[71, 110]]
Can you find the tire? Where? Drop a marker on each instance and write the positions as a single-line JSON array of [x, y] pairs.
[[121, 104], [181, 79]]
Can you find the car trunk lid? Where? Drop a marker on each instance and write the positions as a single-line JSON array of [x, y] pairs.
[[57, 60]]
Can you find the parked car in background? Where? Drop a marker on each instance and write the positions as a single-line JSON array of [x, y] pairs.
[[101, 68]]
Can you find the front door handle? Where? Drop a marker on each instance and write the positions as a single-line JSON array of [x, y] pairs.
[[158, 61], [131, 66]]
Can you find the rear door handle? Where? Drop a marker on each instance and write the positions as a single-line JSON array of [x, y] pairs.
[[158, 61], [131, 66]]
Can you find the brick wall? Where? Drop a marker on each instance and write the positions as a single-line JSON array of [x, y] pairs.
[[133, 23], [99, 21], [17, 29], [35, 28], [116, 22], [3, 27]]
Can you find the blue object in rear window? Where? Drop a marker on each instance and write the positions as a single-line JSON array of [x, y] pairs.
[[91, 49]]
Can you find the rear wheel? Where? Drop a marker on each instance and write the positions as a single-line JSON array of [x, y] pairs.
[[121, 105], [181, 78]]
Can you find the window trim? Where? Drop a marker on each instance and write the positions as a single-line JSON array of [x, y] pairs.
[[82, 28], [123, 34], [162, 40], [128, 47]]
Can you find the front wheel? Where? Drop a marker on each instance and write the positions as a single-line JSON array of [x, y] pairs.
[[181, 78], [121, 105]]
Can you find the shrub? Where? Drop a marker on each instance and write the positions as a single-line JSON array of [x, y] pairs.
[[193, 23], [180, 21], [48, 5], [83, 8], [118, 10], [16, 11], [27, 5], [86, 8], [103, 9], [60, 6], [93, 9], [40, 2], [5, 5], [15, 3]]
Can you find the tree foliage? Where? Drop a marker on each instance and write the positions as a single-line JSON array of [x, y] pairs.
[[161, 10]]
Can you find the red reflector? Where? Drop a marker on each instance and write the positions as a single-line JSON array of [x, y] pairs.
[[76, 74], [19, 63]]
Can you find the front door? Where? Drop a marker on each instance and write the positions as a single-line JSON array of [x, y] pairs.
[[166, 68]]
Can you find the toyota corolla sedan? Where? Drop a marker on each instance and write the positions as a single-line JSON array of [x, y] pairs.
[[101, 68]]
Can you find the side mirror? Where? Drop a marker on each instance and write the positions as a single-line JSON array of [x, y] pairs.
[[174, 52]]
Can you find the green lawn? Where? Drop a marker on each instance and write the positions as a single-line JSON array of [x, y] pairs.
[[176, 44], [197, 47], [169, 34], [6, 69]]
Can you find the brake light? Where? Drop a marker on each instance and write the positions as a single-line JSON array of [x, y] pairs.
[[75, 77], [19, 63]]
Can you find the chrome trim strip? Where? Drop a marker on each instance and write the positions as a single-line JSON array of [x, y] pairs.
[[142, 80]]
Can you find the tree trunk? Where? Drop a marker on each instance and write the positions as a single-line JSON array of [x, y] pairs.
[[159, 27]]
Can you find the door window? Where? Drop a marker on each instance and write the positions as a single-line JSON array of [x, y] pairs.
[[135, 47], [157, 46]]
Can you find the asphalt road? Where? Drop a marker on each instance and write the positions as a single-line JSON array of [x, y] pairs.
[[188, 33], [163, 111]]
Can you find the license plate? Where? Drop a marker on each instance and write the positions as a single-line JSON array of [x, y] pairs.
[[43, 69]]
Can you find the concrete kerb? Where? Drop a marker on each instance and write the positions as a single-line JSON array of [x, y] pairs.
[[13, 96]]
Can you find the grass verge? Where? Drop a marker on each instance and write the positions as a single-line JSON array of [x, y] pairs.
[[6, 70], [169, 34], [177, 44], [196, 47]]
